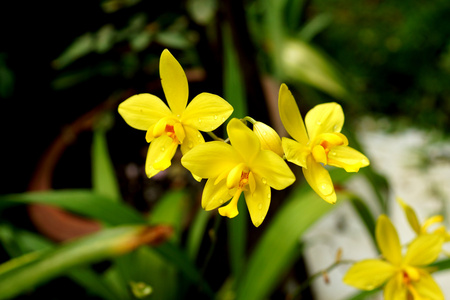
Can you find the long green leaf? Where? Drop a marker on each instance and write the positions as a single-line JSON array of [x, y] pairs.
[[83, 202], [104, 181], [279, 246], [96, 247], [234, 90]]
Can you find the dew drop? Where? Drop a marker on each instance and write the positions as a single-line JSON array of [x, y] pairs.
[[268, 196], [260, 206], [264, 181], [190, 145], [326, 188], [215, 117], [264, 133], [178, 116], [333, 153], [319, 122], [221, 201], [163, 149], [199, 120]]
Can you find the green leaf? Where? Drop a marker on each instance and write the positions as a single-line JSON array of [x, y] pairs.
[[55, 262], [365, 214], [181, 261], [279, 246], [83, 202], [104, 181], [196, 233]]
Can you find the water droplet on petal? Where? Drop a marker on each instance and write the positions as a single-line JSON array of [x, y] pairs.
[[268, 196], [260, 206], [163, 149], [326, 188], [190, 145], [264, 181], [199, 120], [178, 116], [215, 117], [221, 201]]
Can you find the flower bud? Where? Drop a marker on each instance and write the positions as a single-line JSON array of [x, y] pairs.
[[269, 138]]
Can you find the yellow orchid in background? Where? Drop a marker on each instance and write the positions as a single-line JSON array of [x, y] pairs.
[[318, 144], [178, 124], [407, 276], [240, 167], [424, 228]]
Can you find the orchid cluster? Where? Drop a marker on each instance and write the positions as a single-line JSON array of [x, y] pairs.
[[251, 162], [405, 276]]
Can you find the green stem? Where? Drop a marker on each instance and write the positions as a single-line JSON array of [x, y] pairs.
[[214, 136]]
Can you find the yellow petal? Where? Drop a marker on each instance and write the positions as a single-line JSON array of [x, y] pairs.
[[192, 138], [348, 158], [410, 215], [143, 110], [272, 170], [427, 288], [206, 112], [395, 289], [209, 160], [290, 115], [179, 132], [369, 274], [161, 151], [244, 140], [319, 154], [424, 250], [214, 195], [269, 138], [258, 201], [388, 241], [295, 152], [324, 118], [174, 82], [234, 176], [320, 181], [231, 209]]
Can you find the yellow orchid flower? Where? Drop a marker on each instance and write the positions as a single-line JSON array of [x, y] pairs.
[[424, 228], [406, 277], [178, 124], [240, 167], [318, 144]]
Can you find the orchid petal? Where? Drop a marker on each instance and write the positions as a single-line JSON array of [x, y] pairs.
[[174, 82], [424, 250], [272, 170], [324, 118], [258, 201], [159, 155], [143, 110], [214, 195], [290, 115], [295, 152], [320, 181], [206, 112], [348, 158], [369, 274], [395, 289], [411, 216], [427, 288], [203, 160], [192, 138], [244, 140], [388, 241]]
